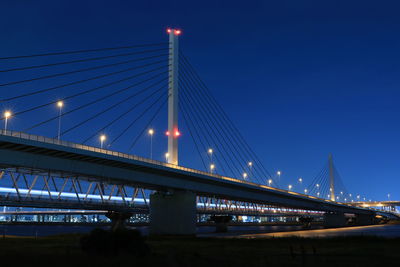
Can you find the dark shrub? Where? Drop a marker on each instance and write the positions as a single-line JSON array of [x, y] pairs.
[[108, 243]]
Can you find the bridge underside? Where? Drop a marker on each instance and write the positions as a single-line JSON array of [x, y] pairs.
[[53, 175], [24, 187]]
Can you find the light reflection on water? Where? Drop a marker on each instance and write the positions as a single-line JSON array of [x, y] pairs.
[[209, 231]]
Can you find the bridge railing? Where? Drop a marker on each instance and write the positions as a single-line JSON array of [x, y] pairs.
[[49, 140]]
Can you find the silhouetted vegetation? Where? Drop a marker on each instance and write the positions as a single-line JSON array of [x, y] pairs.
[[112, 243], [66, 250]]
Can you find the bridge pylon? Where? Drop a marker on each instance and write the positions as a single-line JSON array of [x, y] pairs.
[[173, 96], [331, 178]]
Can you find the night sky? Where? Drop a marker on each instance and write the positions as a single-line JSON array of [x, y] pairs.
[[300, 79]]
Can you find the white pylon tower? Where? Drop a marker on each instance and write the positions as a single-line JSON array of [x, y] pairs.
[[173, 97], [331, 178]]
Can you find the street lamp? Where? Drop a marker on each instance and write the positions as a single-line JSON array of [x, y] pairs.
[[244, 175], [279, 175], [212, 167], [250, 164], [151, 132], [102, 139], [305, 191], [166, 157], [290, 187], [7, 115], [210, 152], [60, 105], [269, 182]]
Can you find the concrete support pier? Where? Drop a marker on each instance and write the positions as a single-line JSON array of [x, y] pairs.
[[336, 219], [365, 219], [173, 213]]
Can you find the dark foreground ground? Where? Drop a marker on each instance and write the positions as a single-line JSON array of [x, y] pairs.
[[206, 252]]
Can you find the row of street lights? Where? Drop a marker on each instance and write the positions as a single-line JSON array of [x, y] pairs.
[[60, 104]]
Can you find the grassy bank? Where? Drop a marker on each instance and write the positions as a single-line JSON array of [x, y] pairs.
[[206, 252]]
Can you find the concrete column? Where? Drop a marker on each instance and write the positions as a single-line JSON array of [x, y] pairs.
[[365, 219], [173, 213], [335, 219]]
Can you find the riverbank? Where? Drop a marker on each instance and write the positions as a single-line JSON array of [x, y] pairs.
[[64, 250]]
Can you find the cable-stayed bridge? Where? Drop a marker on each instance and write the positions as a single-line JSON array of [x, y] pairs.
[[111, 104]]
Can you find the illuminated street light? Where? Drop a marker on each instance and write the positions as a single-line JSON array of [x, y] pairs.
[[244, 175], [102, 139], [305, 191], [300, 180], [269, 182], [166, 156], [317, 185], [279, 176], [210, 152], [7, 115], [250, 164], [317, 193], [212, 167], [290, 187], [151, 133], [60, 105]]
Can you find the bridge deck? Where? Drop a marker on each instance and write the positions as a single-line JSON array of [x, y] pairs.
[[23, 150]]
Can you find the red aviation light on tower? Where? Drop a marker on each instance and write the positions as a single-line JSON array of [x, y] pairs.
[[169, 30], [177, 133], [177, 32]]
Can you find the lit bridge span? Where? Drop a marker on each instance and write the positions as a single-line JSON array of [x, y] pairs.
[[24, 154]]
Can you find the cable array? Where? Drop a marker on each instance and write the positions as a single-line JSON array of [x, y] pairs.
[[95, 90], [217, 140]]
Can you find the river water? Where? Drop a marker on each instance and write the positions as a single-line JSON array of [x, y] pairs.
[[390, 231]]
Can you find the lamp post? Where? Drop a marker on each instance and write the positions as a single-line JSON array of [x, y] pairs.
[[166, 157], [102, 139], [250, 164], [212, 167], [60, 105], [210, 152], [7, 115], [151, 132]]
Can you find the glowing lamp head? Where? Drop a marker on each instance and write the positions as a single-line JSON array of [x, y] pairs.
[[60, 104], [151, 131], [290, 187], [7, 114], [212, 166], [210, 151], [244, 175], [300, 180], [270, 181], [167, 155], [177, 133], [169, 30], [250, 163], [103, 137], [177, 32], [278, 172]]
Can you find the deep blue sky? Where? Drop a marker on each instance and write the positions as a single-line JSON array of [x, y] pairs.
[[301, 79]]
